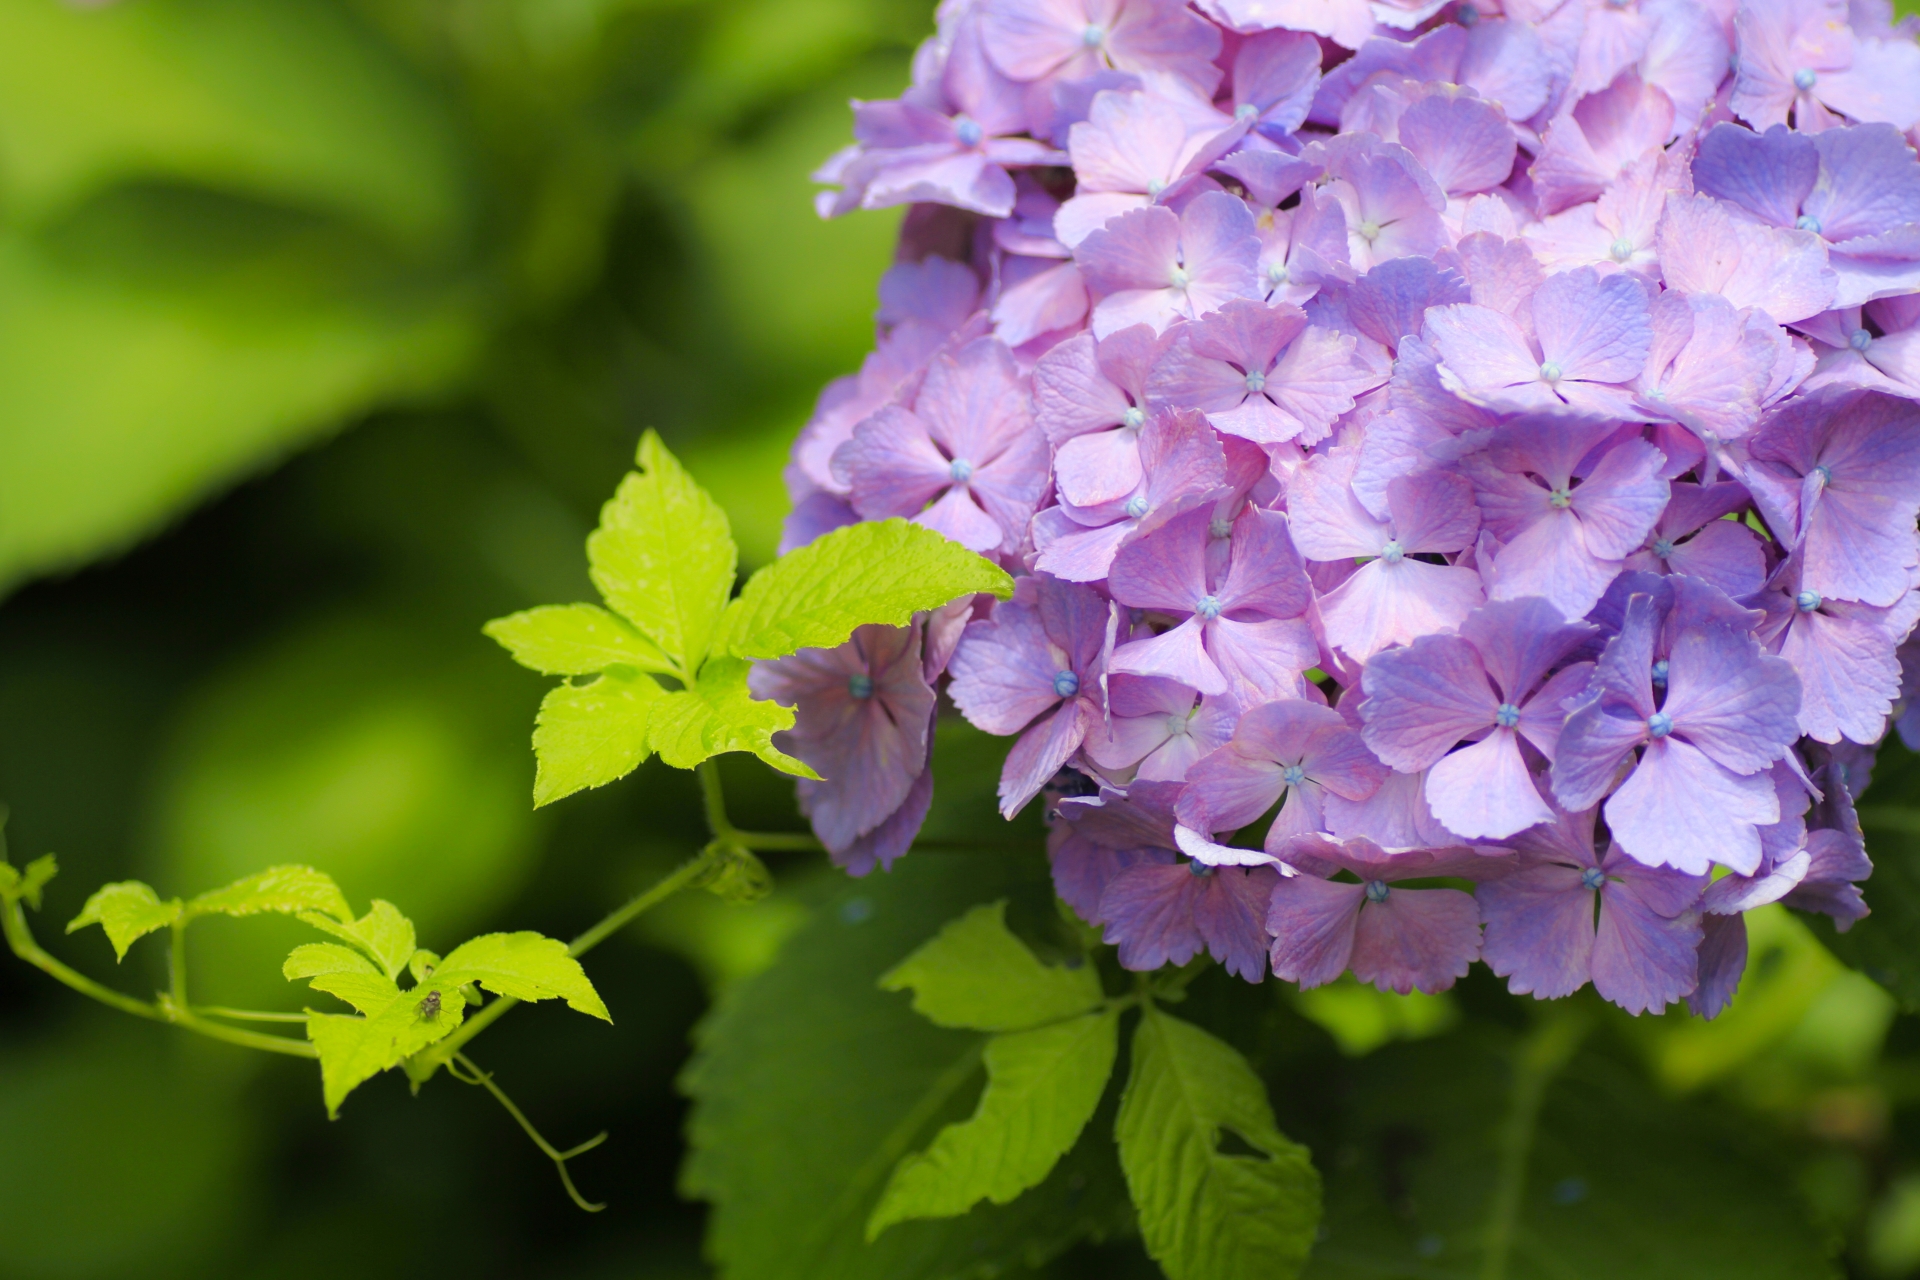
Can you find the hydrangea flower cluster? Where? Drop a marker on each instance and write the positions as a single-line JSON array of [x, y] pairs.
[[1460, 459]]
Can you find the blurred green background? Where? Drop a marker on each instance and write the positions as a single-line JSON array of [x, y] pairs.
[[325, 327]]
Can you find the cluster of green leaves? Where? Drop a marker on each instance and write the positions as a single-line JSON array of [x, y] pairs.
[[663, 667], [1204, 1175], [393, 1023]]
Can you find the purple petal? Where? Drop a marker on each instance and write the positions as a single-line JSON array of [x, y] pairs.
[[1642, 961], [1483, 791], [1416, 940], [1678, 808], [1424, 698], [1313, 923], [1041, 752], [1539, 930]]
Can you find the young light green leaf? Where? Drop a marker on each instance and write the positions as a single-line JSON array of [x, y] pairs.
[[1042, 1088], [719, 714], [287, 890], [367, 992], [382, 933], [525, 966], [128, 911], [1206, 1214], [312, 959], [663, 555], [355, 1049], [877, 571], [974, 973], [575, 640], [592, 734], [25, 885]]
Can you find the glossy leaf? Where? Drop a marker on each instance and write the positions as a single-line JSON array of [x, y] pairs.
[[355, 1049], [719, 714], [591, 734], [285, 890], [525, 966], [575, 640], [383, 933]]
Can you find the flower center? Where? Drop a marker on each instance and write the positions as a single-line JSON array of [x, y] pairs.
[[1549, 372], [1659, 674], [1807, 601], [1066, 684], [960, 470], [860, 685], [1178, 726], [1136, 506], [1245, 111], [1154, 188], [1393, 552], [1293, 775], [1135, 418], [1804, 79], [1506, 715], [1208, 607], [968, 131], [1277, 274], [1377, 891], [1368, 231], [1659, 724], [1620, 250], [1560, 499], [1592, 878], [1663, 547], [1179, 278], [1467, 15], [1859, 339], [1807, 222], [1200, 869], [1256, 382], [1220, 528]]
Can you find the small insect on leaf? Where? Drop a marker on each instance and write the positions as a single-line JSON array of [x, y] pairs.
[[430, 1007]]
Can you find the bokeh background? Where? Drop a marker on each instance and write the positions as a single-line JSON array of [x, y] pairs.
[[325, 327]]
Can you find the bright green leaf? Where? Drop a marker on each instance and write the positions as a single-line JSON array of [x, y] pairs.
[[312, 959], [874, 572], [575, 640], [286, 890], [25, 885], [525, 966], [128, 911], [663, 556], [810, 1084], [719, 714], [592, 734], [1042, 1088], [1206, 1214], [367, 992], [382, 933], [355, 1049], [974, 973]]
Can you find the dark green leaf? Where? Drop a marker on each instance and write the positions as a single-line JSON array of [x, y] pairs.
[[1886, 945], [810, 1084], [1207, 1213], [1619, 1182]]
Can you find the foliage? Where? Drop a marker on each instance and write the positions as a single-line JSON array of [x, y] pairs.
[[663, 559]]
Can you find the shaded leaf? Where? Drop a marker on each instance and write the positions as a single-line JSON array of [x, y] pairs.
[[810, 1084], [1205, 1213], [128, 911], [975, 973], [1042, 1088], [873, 572]]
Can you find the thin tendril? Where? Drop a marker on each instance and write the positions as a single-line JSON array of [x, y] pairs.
[[463, 1069]]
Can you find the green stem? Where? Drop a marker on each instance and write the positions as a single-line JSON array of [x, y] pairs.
[[714, 800], [422, 1066], [247, 1015], [167, 1009], [177, 964], [1539, 1058], [463, 1068]]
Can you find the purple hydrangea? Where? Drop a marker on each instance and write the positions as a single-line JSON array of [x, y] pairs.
[[1488, 442]]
